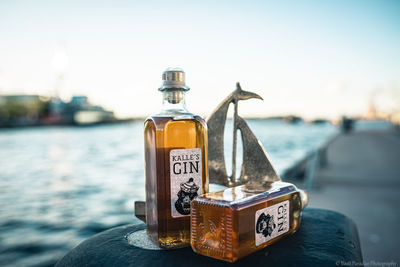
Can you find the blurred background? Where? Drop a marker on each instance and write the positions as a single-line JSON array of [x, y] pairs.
[[77, 80]]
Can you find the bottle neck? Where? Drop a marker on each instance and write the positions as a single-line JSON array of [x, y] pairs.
[[174, 101]]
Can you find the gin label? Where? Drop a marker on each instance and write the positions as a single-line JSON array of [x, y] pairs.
[[271, 222], [185, 179]]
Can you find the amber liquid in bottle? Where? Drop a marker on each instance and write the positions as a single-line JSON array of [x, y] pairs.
[[176, 170], [236, 222]]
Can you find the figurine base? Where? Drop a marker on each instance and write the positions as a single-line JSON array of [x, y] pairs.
[[325, 238]]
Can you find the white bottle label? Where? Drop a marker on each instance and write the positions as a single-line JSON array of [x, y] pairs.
[[271, 222], [186, 179]]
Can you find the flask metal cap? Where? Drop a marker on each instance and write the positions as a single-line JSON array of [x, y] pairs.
[[173, 78]]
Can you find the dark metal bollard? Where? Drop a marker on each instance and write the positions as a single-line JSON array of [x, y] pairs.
[[325, 238]]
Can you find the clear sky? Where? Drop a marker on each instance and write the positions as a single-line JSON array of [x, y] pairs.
[[311, 58]]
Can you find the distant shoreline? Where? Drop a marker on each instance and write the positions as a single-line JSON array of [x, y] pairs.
[[39, 125], [286, 119]]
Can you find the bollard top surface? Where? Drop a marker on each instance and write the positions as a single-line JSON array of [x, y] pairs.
[[325, 238]]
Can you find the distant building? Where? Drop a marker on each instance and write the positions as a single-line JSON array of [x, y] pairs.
[[85, 113], [25, 110], [81, 101], [20, 109]]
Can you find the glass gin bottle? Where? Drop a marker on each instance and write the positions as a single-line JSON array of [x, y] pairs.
[[235, 222], [175, 164]]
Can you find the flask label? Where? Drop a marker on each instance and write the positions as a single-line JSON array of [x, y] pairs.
[[185, 179], [271, 222]]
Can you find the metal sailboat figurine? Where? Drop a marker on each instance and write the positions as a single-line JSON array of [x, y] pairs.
[[256, 166]]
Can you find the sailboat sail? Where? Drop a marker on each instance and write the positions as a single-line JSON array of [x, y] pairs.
[[256, 166]]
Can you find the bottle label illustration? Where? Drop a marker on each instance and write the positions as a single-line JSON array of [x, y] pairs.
[[186, 177], [271, 222]]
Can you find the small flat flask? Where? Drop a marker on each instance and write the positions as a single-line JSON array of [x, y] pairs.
[[238, 221]]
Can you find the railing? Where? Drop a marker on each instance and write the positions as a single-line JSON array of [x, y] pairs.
[[303, 172]]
